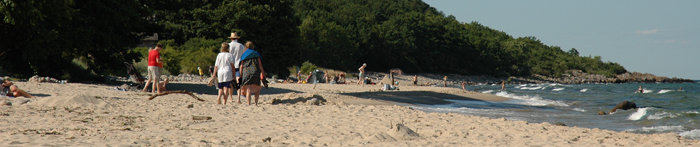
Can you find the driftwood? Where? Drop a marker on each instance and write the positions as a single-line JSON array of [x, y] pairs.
[[201, 117], [182, 92]]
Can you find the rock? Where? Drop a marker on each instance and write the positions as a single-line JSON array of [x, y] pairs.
[[624, 106], [190, 106], [275, 101], [559, 124], [313, 101], [601, 113]]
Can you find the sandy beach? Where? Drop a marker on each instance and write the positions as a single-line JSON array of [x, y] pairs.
[[75, 114]]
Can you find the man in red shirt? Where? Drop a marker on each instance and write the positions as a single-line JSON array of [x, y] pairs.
[[155, 66]]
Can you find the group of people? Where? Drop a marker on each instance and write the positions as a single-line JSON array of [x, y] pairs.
[[238, 67]]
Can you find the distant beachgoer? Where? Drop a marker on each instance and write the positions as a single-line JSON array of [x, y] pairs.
[[224, 69], [155, 68], [680, 89], [415, 80], [308, 78], [326, 77], [201, 73], [341, 78], [7, 88], [252, 73], [163, 83], [463, 85], [640, 90], [444, 80], [362, 74], [503, 84]]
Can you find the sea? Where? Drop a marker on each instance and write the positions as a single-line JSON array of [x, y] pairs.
[[663, 108]]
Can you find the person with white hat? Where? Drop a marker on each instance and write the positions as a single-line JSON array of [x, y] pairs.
[[237, 49]]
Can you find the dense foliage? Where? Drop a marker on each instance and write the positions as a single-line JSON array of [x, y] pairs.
[[412, 36], [41, 37], [269, 24]]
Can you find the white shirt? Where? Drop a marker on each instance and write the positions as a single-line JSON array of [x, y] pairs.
[[223, 63], [237, 49]]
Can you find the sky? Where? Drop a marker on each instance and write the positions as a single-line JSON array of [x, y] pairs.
[[647, 36]]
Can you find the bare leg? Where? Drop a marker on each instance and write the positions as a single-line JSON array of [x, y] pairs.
[[146, 87], [226, 93], [221, 92], [257, 93], [19, 92], [247, 93]]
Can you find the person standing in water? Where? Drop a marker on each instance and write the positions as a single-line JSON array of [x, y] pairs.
[[503, 84], [640, 90]]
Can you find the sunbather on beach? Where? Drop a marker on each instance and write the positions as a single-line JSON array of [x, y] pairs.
[[9, 89], [252, 72]]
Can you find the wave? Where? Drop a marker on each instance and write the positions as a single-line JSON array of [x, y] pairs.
[[693, 134], [661, 115], [648, 91], [658, 129], [584, 90], [579, 110], [641, 112], [557, 89], [530, 100], [663, 91], [487, 91]]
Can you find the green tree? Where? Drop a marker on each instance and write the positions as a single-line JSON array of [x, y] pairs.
[[41, 37]]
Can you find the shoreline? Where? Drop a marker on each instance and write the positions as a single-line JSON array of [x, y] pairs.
[[91, 115]]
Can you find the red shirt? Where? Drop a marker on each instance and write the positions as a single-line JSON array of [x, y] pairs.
[[152, 55]]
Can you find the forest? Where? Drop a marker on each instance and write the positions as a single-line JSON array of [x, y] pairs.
[[69, 38]]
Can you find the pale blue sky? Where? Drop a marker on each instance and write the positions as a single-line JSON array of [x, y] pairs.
[[658, 37]]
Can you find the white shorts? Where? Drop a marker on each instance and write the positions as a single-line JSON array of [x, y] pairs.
[[154, 73]]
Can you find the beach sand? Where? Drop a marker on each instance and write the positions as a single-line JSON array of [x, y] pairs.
[[76, 114]]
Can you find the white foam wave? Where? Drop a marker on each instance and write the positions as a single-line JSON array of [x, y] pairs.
[[487, 91], [557, 89], [696, 112], [659, 129], [639, 114], [694, 134], [664, 91], [648, 91], [661, 115], [579, 110], [530, 100], [584, 90]]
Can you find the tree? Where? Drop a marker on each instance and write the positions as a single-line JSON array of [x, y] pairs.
[[43, 37]]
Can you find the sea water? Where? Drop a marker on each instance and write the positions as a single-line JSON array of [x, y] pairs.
[[662, 107]]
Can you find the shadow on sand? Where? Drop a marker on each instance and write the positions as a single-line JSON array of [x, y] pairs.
[[413, 97], [204, 89]]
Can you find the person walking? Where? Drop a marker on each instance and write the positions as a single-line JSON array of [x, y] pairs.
[[252, 73], [361, 75], [155, 67], [237, 50], [224, 69]]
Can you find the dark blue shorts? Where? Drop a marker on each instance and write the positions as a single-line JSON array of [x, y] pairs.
[[225, 84]]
